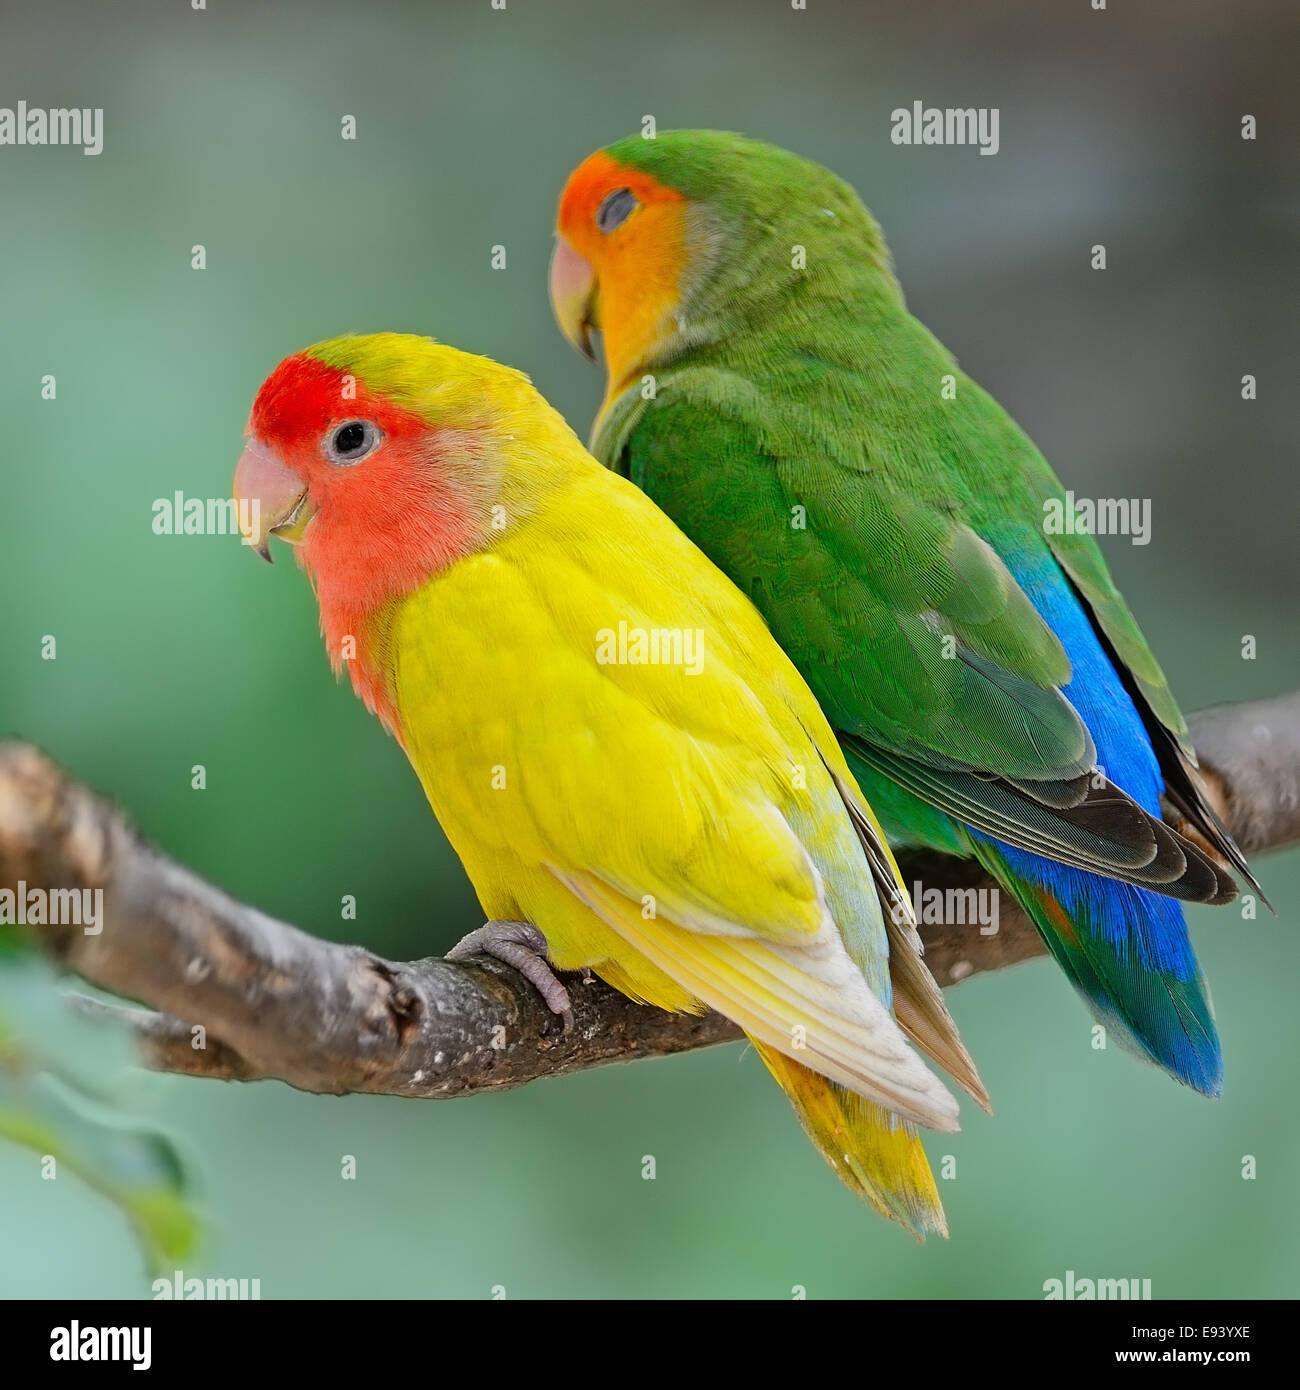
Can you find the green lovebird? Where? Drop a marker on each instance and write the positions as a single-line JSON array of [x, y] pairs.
[[994, 696]]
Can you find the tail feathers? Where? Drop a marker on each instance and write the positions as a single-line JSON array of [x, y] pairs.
[[871, 1150], [918, 1000], [921, 1012], [1159, 1010], [771, 989]]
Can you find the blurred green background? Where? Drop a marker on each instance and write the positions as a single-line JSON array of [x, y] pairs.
[[222, 128]]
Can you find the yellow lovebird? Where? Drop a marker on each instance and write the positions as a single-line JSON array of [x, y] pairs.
[[634, 775]]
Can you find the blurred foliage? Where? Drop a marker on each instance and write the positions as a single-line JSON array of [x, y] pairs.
[[222, 128], [65, 1081]]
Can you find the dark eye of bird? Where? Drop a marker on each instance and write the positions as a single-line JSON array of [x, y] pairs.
[[352, 441], [613, 212]]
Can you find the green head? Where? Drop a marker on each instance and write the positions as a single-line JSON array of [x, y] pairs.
[[673, 243]]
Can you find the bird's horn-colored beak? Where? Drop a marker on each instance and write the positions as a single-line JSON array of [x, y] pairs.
[[271, 499], [573, 297]]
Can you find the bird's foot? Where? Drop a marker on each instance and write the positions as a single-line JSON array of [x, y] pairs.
[[521, 946]]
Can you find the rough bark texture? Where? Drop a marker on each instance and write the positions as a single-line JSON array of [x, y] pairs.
[[267, 1000]]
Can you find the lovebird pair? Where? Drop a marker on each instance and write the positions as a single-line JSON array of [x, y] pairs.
[[681, 807]]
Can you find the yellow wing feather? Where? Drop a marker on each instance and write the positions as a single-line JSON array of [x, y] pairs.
[[674, 785]]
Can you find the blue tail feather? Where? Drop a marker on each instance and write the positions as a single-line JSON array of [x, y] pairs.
[[1125, 948], [1126, 951]]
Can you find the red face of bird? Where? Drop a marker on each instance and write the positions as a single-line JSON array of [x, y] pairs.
[[375, 458], [619, 259]]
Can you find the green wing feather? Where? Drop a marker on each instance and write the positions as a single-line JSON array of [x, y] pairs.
[[921, 639]]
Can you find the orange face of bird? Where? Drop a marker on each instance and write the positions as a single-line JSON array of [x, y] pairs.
[[618, 264]]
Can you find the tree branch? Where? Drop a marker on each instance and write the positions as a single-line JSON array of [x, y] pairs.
[[267, 1000]]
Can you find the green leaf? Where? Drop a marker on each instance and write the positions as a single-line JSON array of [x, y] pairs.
[[69, 1089]]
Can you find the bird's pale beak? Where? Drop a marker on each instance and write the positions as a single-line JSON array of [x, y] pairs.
[[272, 499], [573, 297]]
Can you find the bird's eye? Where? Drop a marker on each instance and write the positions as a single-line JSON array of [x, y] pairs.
[[352, 441], [615, 209]]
